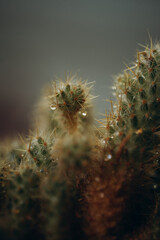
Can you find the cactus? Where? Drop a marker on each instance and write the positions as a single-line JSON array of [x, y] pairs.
[[70, 180], [71, 101], [23, 204]]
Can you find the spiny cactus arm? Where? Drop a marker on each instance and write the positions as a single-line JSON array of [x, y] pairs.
[[72, 150], [60, 192], [116, 204], [74, 154], [40, 152], [71, 100], [60, 200], [137, 111], [130, 139], [23, 203]]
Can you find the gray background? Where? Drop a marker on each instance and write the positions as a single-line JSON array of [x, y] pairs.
[[41, 39]]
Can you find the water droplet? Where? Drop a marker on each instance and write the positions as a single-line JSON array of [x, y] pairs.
[[53, 108], [84, 114], [101, 195], [97, 179], [155, 186], [113, 87], [103, 141], [109, 156]]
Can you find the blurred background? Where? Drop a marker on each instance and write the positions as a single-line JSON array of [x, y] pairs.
[[41, 39]]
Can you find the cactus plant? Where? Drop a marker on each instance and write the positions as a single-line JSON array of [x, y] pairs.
[[70, 180]]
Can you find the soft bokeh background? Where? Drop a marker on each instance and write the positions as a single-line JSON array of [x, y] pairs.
[[41, 39]]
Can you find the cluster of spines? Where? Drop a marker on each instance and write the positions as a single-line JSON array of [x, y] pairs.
[[71, 100], [137, 112], [40, 152], [23, 203]]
